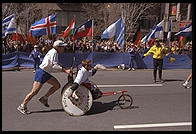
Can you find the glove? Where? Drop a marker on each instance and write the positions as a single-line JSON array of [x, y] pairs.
[[143, 57], [99, 66]]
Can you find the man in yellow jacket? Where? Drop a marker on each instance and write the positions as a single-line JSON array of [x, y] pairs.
[[158, 50]]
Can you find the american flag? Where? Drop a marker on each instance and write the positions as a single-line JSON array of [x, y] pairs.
[[45, 26]]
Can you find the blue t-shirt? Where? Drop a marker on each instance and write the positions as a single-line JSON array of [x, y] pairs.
[[35, 54]]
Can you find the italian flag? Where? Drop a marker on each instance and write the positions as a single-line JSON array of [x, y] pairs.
[[70, 29]]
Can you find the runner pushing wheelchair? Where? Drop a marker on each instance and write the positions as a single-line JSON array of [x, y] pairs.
[[78, 94]]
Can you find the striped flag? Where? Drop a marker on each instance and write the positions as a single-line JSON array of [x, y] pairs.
[[186, 31], [157, 32], [137, 37], [115, 30], [121, 37], [8, 25], [151, 42], [70, 29], [169, 31]]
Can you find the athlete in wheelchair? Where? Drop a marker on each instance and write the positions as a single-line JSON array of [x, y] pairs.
[[82, 79], [77, 95]]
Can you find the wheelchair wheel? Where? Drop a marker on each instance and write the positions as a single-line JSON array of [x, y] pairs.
[[77, 107], [125, 101]]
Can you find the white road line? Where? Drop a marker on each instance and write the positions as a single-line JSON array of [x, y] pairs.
[[153, 125], [139, 85]]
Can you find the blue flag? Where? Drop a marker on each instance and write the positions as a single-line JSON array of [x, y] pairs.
[[169, 33], [157, 32], [45, 26], [115, 30], [8, 25], [169, 30], [186, 31], [121, 37]]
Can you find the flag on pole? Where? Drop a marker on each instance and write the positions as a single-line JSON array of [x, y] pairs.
[[186, 31], [70, 29], [18, 36], [45, 26], [30, 38], [84, 30], [115, 30], [8, 25], [121, 37], [137, 37], [181, 41], [169, 31], [151, 42], [157, 32]]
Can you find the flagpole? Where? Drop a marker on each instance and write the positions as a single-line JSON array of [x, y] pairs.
[[92, 29], [18, 69], [16, 34]]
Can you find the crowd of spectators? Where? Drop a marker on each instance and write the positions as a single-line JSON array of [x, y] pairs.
[[87, 46]]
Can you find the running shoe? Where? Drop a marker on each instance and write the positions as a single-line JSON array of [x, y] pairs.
[[44, 101], [23, 110], [185, 84]]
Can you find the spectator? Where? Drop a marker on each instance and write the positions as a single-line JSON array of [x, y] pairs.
[[132, 52], [35, 54], [84, 46]]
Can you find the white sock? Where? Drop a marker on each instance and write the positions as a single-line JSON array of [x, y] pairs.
[[23, 105], [186, 82]]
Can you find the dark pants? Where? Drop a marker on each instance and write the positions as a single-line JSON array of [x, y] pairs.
[[157, 63], [36, 63], [131, 61]]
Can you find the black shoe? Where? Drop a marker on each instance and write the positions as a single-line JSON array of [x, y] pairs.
[[44, 101], [97, 94]]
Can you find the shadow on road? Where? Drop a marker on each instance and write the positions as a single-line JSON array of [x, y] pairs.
[[170, 80], [46, 111], [99, 107]]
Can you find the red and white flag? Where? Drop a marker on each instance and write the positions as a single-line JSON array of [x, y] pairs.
[[18, 36], [84, 30], [70, 29]]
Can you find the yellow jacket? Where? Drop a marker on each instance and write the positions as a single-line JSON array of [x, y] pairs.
[[158, 52]]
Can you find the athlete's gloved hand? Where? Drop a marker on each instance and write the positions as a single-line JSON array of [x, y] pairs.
[[99, 66]]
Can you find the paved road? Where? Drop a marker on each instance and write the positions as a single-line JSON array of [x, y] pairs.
[[170, 103]]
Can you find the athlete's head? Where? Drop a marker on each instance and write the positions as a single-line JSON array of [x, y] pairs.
[[59, 45], [87, 64]]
